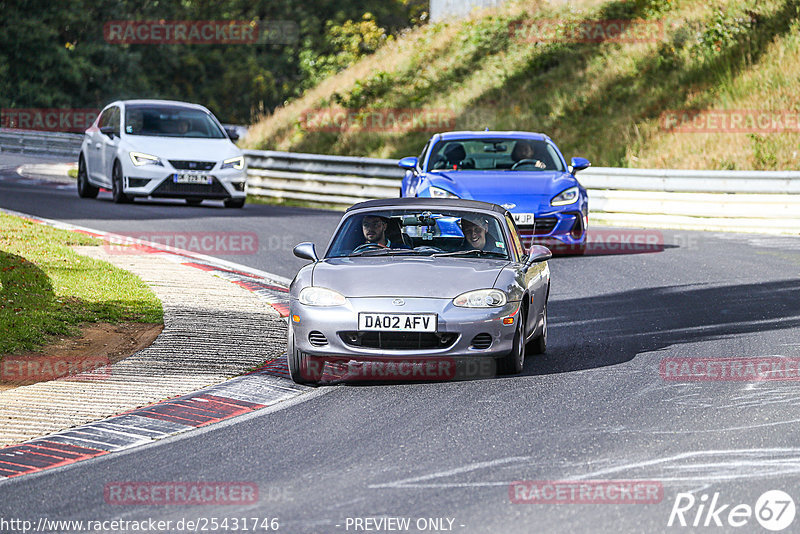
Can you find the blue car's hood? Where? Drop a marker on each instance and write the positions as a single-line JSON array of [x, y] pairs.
[[530, 191]]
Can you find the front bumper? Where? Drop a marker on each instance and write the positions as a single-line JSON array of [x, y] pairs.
[[562, 231], [338, 325], [158, 182]]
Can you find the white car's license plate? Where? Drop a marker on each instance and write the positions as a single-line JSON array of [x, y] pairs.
[[192, 179], [523, 218], [398, 322]]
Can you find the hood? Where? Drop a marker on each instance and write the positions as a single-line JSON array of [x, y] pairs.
[[183, 149], [393, 276], [530, 191]]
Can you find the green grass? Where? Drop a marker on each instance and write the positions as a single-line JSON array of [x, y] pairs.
[[47, 290], [599, 100], [72, 173]]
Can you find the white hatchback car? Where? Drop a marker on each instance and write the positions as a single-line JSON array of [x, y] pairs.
[[161, 149]]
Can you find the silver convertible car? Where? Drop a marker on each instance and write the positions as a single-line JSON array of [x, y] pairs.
[[418, 289]]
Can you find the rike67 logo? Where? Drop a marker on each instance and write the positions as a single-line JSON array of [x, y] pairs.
[[774, 510]]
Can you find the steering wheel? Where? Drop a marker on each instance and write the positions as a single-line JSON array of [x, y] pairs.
[[368, 246], [522, 161]]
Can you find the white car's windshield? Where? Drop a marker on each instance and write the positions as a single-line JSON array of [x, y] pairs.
[[170, 121], [455, 233], [494, 154]]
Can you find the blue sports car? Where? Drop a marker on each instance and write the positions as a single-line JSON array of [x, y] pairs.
[[523, 172]]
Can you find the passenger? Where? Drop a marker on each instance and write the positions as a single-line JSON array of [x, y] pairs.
[[523, 150], [475, 229]]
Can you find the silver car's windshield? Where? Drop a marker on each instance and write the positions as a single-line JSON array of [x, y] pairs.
[[170, 121], [493, 154], [455, 233]]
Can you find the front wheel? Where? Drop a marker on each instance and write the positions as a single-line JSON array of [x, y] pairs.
[[512, 363], [538, 345], [116, 185], [298, 364], [234, 202], [85, 189]]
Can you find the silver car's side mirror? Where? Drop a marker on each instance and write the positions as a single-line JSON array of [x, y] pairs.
[[537, 254], [306, 251]]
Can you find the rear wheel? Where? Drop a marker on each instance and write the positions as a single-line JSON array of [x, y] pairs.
[[85, 189], [234, 202], [194, 201], [512, 363], [538, 345], [116, 185]]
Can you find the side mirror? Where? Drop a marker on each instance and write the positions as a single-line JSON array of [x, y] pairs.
[[110, 131], [232, 134], [408, 163], [538, 254], [306, 251], [578, 164]]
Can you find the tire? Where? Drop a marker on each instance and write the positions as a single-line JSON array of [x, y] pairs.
[[538, 345], [512, 363], [235, 202], [85, 189], [194, 201], [297, 364], [116, 186]]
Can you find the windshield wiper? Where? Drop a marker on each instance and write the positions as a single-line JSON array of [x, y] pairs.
[[474, 252]]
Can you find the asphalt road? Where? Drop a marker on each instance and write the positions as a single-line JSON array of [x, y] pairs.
[[595, 407]]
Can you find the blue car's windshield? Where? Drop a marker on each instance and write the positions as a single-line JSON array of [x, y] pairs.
[[494, 154], [456, 233]]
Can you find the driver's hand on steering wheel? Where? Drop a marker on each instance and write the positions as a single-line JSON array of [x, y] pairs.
[[540, 164]]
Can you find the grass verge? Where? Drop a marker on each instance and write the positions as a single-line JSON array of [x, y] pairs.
[[47, 290]]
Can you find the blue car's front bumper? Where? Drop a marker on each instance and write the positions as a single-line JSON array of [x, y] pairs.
[[564, 231]]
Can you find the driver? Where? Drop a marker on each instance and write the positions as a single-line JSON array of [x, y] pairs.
[[523, 150], [183, 126], [475, 229], [374, 228]]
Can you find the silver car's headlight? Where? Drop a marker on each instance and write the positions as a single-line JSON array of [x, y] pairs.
[[481, 298], [233, 163], [140, 159], [568, 196], [321, 296], [438, 192]]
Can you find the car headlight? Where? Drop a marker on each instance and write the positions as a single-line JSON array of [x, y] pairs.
[[569, 196], [140, 159], [233, 163], [321, 296], [438, 192], [482, 298]]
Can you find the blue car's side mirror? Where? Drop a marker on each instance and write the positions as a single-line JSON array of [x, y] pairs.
[[578, 164], [409, 163]]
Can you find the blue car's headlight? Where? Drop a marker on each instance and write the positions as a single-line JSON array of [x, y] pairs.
[[321, 296], [438, 192], [569, 196], [481, 298]]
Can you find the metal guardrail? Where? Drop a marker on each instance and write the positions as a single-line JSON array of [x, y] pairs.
[[767, 201]]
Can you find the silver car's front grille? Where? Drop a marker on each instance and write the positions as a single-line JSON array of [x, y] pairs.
[[399, 340], [317, 339]]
